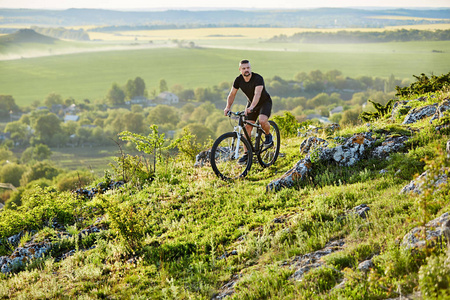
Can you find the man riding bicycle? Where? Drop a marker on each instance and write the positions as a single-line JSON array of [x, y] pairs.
[[259, 101]]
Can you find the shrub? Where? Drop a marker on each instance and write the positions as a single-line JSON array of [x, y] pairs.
[[434, 278], [287, 124]]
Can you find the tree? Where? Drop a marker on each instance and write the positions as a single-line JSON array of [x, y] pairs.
[[11, 173], [130, 89], [350, 117], [37, 171], [46, 126], [163, 86], [7, 105], [202, 133], [52, 99], [133, 122], [135, 88], [18, 130], [163, 114], [6, 155], [116, 95], [140, 86], [41, 152]]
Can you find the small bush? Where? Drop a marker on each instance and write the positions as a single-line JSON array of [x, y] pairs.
[[434, 278]]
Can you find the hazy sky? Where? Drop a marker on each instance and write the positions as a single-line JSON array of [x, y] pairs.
[[193, 4]]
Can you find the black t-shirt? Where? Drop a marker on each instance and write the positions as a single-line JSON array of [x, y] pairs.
[[249, 87]]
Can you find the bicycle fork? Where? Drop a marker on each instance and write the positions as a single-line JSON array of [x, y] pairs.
[[238, 141]]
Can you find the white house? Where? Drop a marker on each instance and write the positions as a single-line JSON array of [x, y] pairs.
[[168, 98], [336, 110]]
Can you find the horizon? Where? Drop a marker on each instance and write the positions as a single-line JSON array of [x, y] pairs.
[[132, 5]]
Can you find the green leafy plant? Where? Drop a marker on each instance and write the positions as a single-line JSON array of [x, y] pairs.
[[424, 84], [287, 123]]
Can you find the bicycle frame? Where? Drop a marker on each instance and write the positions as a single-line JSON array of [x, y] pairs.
[[241, 127]]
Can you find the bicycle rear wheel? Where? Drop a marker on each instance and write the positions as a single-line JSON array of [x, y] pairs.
[[225, 154], [267, 156]]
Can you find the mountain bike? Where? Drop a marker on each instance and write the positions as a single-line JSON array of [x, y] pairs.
[[231, 146]]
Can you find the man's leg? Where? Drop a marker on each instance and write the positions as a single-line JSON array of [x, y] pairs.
[[264, 121]]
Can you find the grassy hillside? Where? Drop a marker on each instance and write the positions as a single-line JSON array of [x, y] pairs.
[[184, 234], [90, 75]]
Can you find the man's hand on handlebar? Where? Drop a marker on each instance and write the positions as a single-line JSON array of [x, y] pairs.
[[248, 110], [226, 111]]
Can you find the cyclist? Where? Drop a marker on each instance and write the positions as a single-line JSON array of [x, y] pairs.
[[259, 101]]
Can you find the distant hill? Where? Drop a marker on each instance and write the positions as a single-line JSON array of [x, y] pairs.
[[308, 18], [27, 36]]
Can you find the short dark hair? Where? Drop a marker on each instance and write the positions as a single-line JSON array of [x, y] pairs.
[[244, 61]]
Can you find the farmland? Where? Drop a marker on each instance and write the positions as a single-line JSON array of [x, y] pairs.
[[89, 75]]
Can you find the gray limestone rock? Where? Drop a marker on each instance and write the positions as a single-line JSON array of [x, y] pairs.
[[391, 144], [415, 186], [443, 107], [437, 230], [419, 113]]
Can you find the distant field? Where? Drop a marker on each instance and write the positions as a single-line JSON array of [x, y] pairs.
[[235, 33], [90, 75], [95, 159]]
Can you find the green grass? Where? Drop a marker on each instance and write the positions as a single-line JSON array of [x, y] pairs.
[[164, 239], [90, 75], [96, 159]]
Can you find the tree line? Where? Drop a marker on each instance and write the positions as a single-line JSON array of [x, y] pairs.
[[199, 110], [343, 36]]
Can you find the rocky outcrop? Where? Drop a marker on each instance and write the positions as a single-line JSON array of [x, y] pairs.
[[390, 145], [304, 263], [347, 152], [436, 231], [298, 173], [350, 152], [22, 255], [443, 107], [311, 143], [203, 158], [415, 186], [35, 248], [419, 113]]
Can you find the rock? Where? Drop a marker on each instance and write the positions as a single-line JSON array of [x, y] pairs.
[[399, 105], [448, 147], [362, 210], [352, 150], [348, 153], [310, 131], [365, 266], [437, 230], [391, 144], [304, 263], [227, 289], [227, 254], [443, 107], [22, 255], [331, 128], [419, 113], [298, 173], [202, 158], [415, 186], [311, 143]]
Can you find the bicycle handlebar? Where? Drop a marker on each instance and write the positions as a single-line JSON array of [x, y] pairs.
[[238, 113]]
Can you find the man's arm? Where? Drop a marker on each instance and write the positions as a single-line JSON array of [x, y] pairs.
[[256, 97], [230, 100]]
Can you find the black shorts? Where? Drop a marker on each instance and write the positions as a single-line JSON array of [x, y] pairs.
[[264, 108]]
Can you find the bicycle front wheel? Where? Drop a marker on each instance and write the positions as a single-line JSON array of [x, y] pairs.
[[226, 154], [267, 155]]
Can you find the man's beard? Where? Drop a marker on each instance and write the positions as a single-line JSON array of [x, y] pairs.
[[246, 74]]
